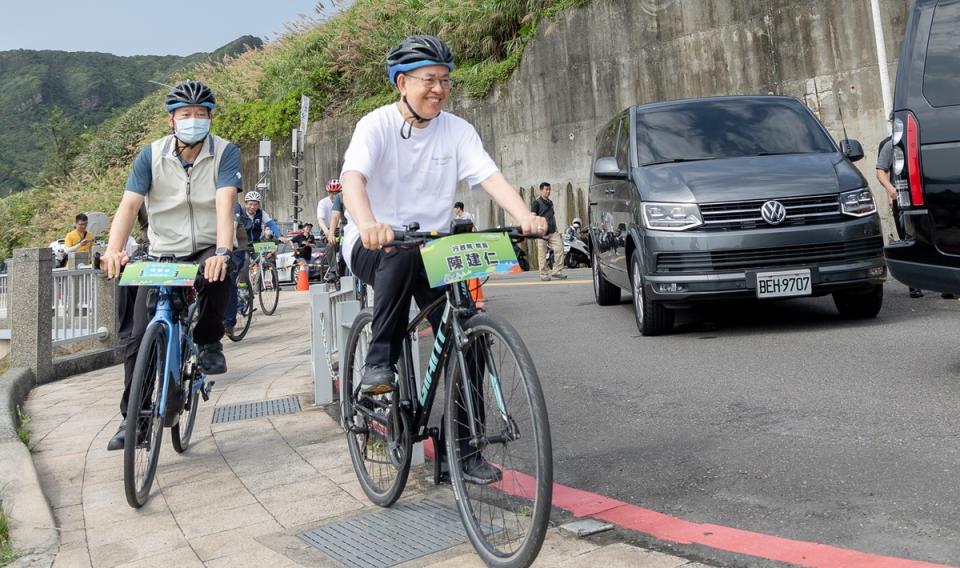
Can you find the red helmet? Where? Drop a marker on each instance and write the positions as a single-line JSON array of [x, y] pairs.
[[333, 186]]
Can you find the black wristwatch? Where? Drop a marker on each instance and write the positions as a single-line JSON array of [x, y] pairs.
[[223, 251]]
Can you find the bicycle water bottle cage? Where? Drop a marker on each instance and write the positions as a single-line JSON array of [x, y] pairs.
[[458, 226], [152, 295]]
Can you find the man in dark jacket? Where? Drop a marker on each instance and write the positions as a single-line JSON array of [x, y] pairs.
[[543, 207]]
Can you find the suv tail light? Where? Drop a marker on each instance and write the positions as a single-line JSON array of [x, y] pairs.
[[913, 161]]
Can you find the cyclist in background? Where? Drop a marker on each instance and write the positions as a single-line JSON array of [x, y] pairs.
[[188, 181], [253, 220], [329, 215], [304, 242], [402, 166]]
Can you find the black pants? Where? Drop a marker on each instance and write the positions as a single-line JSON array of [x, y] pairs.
[[396, 277], [898, 220], [211, 305]]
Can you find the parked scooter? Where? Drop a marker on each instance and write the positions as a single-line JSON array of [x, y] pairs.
[[576, 252]]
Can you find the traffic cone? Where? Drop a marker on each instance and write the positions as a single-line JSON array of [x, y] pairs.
[[476, 292], [303, 279]]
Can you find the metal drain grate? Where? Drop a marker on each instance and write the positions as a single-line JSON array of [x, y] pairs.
[[257, 409], [389, 537]]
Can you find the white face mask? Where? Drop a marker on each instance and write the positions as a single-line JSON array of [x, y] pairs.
[[192, 130]]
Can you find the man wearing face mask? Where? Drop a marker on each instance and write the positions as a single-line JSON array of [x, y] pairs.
[[188, 181]]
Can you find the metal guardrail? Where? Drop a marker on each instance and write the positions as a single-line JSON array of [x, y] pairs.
[[75, 316]]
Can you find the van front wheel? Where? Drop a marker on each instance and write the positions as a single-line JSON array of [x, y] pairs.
[[859, 304], [653, 318]]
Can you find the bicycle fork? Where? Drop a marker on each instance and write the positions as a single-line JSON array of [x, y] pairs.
[[483, 364]]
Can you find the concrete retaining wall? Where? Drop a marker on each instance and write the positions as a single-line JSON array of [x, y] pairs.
[[32, 528], [592, 62]]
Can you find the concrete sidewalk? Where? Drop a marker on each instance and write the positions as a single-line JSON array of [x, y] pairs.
[[244, 490]]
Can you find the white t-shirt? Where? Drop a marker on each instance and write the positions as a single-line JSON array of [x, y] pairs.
[[324, 210], [413, 180]]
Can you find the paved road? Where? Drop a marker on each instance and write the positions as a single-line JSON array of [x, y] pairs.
[[780, 418]]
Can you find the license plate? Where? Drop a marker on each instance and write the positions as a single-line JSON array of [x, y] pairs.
[[783, 284]]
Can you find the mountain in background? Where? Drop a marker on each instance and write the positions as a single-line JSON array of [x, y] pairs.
[[40, 90]]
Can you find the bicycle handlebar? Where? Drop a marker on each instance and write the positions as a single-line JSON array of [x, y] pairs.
[[410, 239]]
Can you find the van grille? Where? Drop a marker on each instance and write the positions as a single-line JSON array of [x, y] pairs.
[[747, 259], [741, 215]]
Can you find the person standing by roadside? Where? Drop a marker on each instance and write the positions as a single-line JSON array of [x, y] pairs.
[[459, 213], [79, 239], [543, 207], [884, 169]]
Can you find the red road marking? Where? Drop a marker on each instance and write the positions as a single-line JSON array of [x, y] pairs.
[[665, 527]]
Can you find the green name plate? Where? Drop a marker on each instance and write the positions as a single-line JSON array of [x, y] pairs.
[[470, 255], [159, 274], [261, 248]]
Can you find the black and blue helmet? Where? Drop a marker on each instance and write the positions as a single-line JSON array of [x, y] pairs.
[[190, 93], [418, 51]]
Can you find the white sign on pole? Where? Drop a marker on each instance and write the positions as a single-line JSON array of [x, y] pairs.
[[304, 118], [294, 140]]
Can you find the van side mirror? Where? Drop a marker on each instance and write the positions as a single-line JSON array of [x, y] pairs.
[[607, 168], [851, 149]]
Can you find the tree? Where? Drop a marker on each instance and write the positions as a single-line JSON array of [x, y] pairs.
[[65, 141]]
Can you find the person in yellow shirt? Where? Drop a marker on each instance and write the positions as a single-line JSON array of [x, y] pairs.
[[79, 239]]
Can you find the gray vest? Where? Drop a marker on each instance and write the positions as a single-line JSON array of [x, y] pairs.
[[182, 209]]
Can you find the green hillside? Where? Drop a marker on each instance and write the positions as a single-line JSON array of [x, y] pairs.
[[337, 62], [83, 90]]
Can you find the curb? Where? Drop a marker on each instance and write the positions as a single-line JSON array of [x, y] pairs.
[[32, 528]]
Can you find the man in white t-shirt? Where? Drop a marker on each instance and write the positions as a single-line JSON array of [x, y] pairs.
[[402, 166]]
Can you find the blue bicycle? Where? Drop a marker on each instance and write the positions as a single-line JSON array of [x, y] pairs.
[[167, 382]]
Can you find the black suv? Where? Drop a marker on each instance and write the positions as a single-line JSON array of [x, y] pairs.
[[730, 197], [926, 136]]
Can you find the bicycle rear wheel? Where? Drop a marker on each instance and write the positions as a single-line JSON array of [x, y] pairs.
[[244, 314], [141, 448], [269, 289], [381, 461], [506, 518]]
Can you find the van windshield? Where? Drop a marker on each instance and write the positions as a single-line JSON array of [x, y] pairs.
[[734, 128]]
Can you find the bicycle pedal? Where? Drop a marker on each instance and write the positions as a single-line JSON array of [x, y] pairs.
[[205, 391]]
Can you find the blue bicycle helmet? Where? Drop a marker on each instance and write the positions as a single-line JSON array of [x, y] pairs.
[[418, 51]]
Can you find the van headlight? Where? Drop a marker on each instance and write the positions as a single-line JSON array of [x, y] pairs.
[[857, 203], [671, 216]]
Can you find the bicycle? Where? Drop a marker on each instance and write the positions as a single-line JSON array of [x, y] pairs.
[[488, 372], [167, 358], [244, 312], [265, 281]]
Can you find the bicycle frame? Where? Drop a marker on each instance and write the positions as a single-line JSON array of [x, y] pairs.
[[164, 315], [449, 331]]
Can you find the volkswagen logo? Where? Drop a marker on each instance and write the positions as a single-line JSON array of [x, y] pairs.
[[773, 212]]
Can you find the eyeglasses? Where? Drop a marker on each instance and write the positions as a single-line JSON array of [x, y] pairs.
[[431, 82]]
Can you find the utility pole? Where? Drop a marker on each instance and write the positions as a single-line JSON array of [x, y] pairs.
[[881, 58], [298, 140]]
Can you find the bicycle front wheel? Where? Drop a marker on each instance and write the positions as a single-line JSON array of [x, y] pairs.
[[269, 289], [380, 460], [141, 446], [190, 377], [244, 314], [503, 476]]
